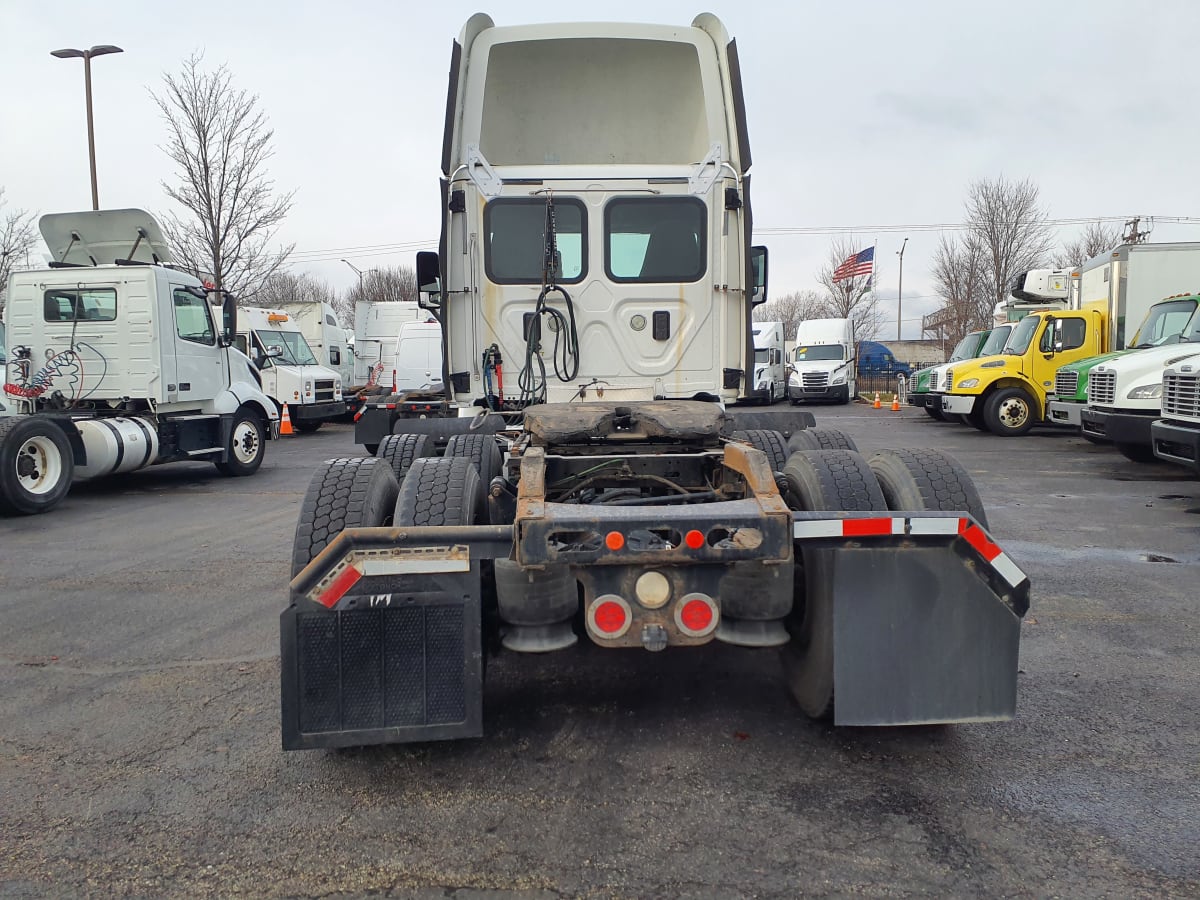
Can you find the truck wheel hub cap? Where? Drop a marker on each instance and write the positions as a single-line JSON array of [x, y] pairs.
[[1013, 413], [38, 465], [245, 442]]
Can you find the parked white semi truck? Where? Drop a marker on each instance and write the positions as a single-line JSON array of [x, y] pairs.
[[596, 238], [770, 362], [117, 361], [823, 361]]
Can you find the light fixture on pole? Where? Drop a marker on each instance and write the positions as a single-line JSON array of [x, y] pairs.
[[900, 291], [86, 56], [358, 271]]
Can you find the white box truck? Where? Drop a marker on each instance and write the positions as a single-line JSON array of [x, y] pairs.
[[117, 361], [291, 374], [770, 363], [376, 327], [823, 361]]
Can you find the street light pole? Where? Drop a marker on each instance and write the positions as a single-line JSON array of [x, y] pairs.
[[900, 291], [359, 271], [86, 56]]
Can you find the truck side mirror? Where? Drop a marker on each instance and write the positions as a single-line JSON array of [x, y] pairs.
[[228, 319], [758, 266], [429, 277]]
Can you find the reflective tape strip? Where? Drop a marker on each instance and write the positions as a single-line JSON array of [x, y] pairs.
[[977, 538], [815, 529], [332, 594], [864, 527], [1008, 570], [935, 526], [413, 566]]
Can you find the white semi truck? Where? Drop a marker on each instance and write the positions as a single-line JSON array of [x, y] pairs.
[[823, 361], [117, 361], [770, 362], [596, 243]]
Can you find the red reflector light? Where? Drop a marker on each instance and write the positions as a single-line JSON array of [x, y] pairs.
[[696, 615], [609, 617], [856, 527], [614, 540], [332, 594], [694, 539]]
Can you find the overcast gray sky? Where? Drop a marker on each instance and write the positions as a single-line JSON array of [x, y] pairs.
[[861, 114]]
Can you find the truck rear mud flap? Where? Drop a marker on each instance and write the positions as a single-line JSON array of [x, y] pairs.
[[402, 663], [926, 616]]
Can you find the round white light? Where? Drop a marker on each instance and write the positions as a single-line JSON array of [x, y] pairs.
[[653, 590]]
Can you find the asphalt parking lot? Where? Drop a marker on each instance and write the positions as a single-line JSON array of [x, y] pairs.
[[139, 750]]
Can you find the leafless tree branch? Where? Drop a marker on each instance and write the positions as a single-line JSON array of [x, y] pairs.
[[1096, 239]]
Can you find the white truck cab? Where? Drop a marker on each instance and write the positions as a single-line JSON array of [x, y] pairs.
[[1176, 435], [770, 362], [116, 361], [291, 374], [326, 337], [823, 361]]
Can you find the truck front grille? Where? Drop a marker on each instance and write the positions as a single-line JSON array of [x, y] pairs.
[[323, 389], [949, 388], [933, 380], [1102, 388], [1066, 383], [1181, 395], [814, 380]]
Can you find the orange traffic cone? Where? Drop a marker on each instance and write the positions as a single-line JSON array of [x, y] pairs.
[[878, 405], [285, 422], [895, 403]]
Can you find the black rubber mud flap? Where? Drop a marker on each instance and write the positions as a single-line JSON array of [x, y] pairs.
[[384, 668], [920, 637]]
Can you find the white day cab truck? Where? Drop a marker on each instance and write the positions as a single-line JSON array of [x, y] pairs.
[[117, 361], [596, 239], [770, 363], [1124, 395], [291, 374], [823, 361], [1176, 435]]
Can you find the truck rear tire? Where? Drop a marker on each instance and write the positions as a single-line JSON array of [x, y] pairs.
[[36, 465], [247, 445], [926, 479], [1009, 412], [769, 442], [400, 451], [439, 491], [820, 439], [820, 480], [355, 492], [483, 452]]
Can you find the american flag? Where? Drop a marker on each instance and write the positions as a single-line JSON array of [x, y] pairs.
[[858, 264]]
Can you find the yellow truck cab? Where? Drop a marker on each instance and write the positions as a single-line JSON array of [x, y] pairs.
[[1006, 394]]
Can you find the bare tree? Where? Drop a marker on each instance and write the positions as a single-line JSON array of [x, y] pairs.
[[791, 309], [1006, 219], [284, 287], [961, 275], [1096, 239], [17, 238], [850, 298], [220, 141], [386, 284]]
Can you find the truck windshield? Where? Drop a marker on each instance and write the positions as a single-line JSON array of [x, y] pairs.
[[295, 348], [823, 351], [995, 342], [1164, 323], [965, 347], [1019, 340]]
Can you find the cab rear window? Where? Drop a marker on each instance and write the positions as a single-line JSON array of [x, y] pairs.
[[80, 305]]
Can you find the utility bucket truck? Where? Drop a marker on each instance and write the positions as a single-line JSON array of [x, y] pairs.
[[117, 361], [596, 239]]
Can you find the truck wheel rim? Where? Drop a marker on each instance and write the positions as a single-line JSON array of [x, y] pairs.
[[39, 465], [1014, 413], [245, 442]]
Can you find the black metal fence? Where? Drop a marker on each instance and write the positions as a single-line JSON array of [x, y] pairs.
[[883, 381]]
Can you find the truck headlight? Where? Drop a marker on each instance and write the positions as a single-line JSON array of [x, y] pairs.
[[968, 383], [840, 379], [1145, 392], [308, 387]]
